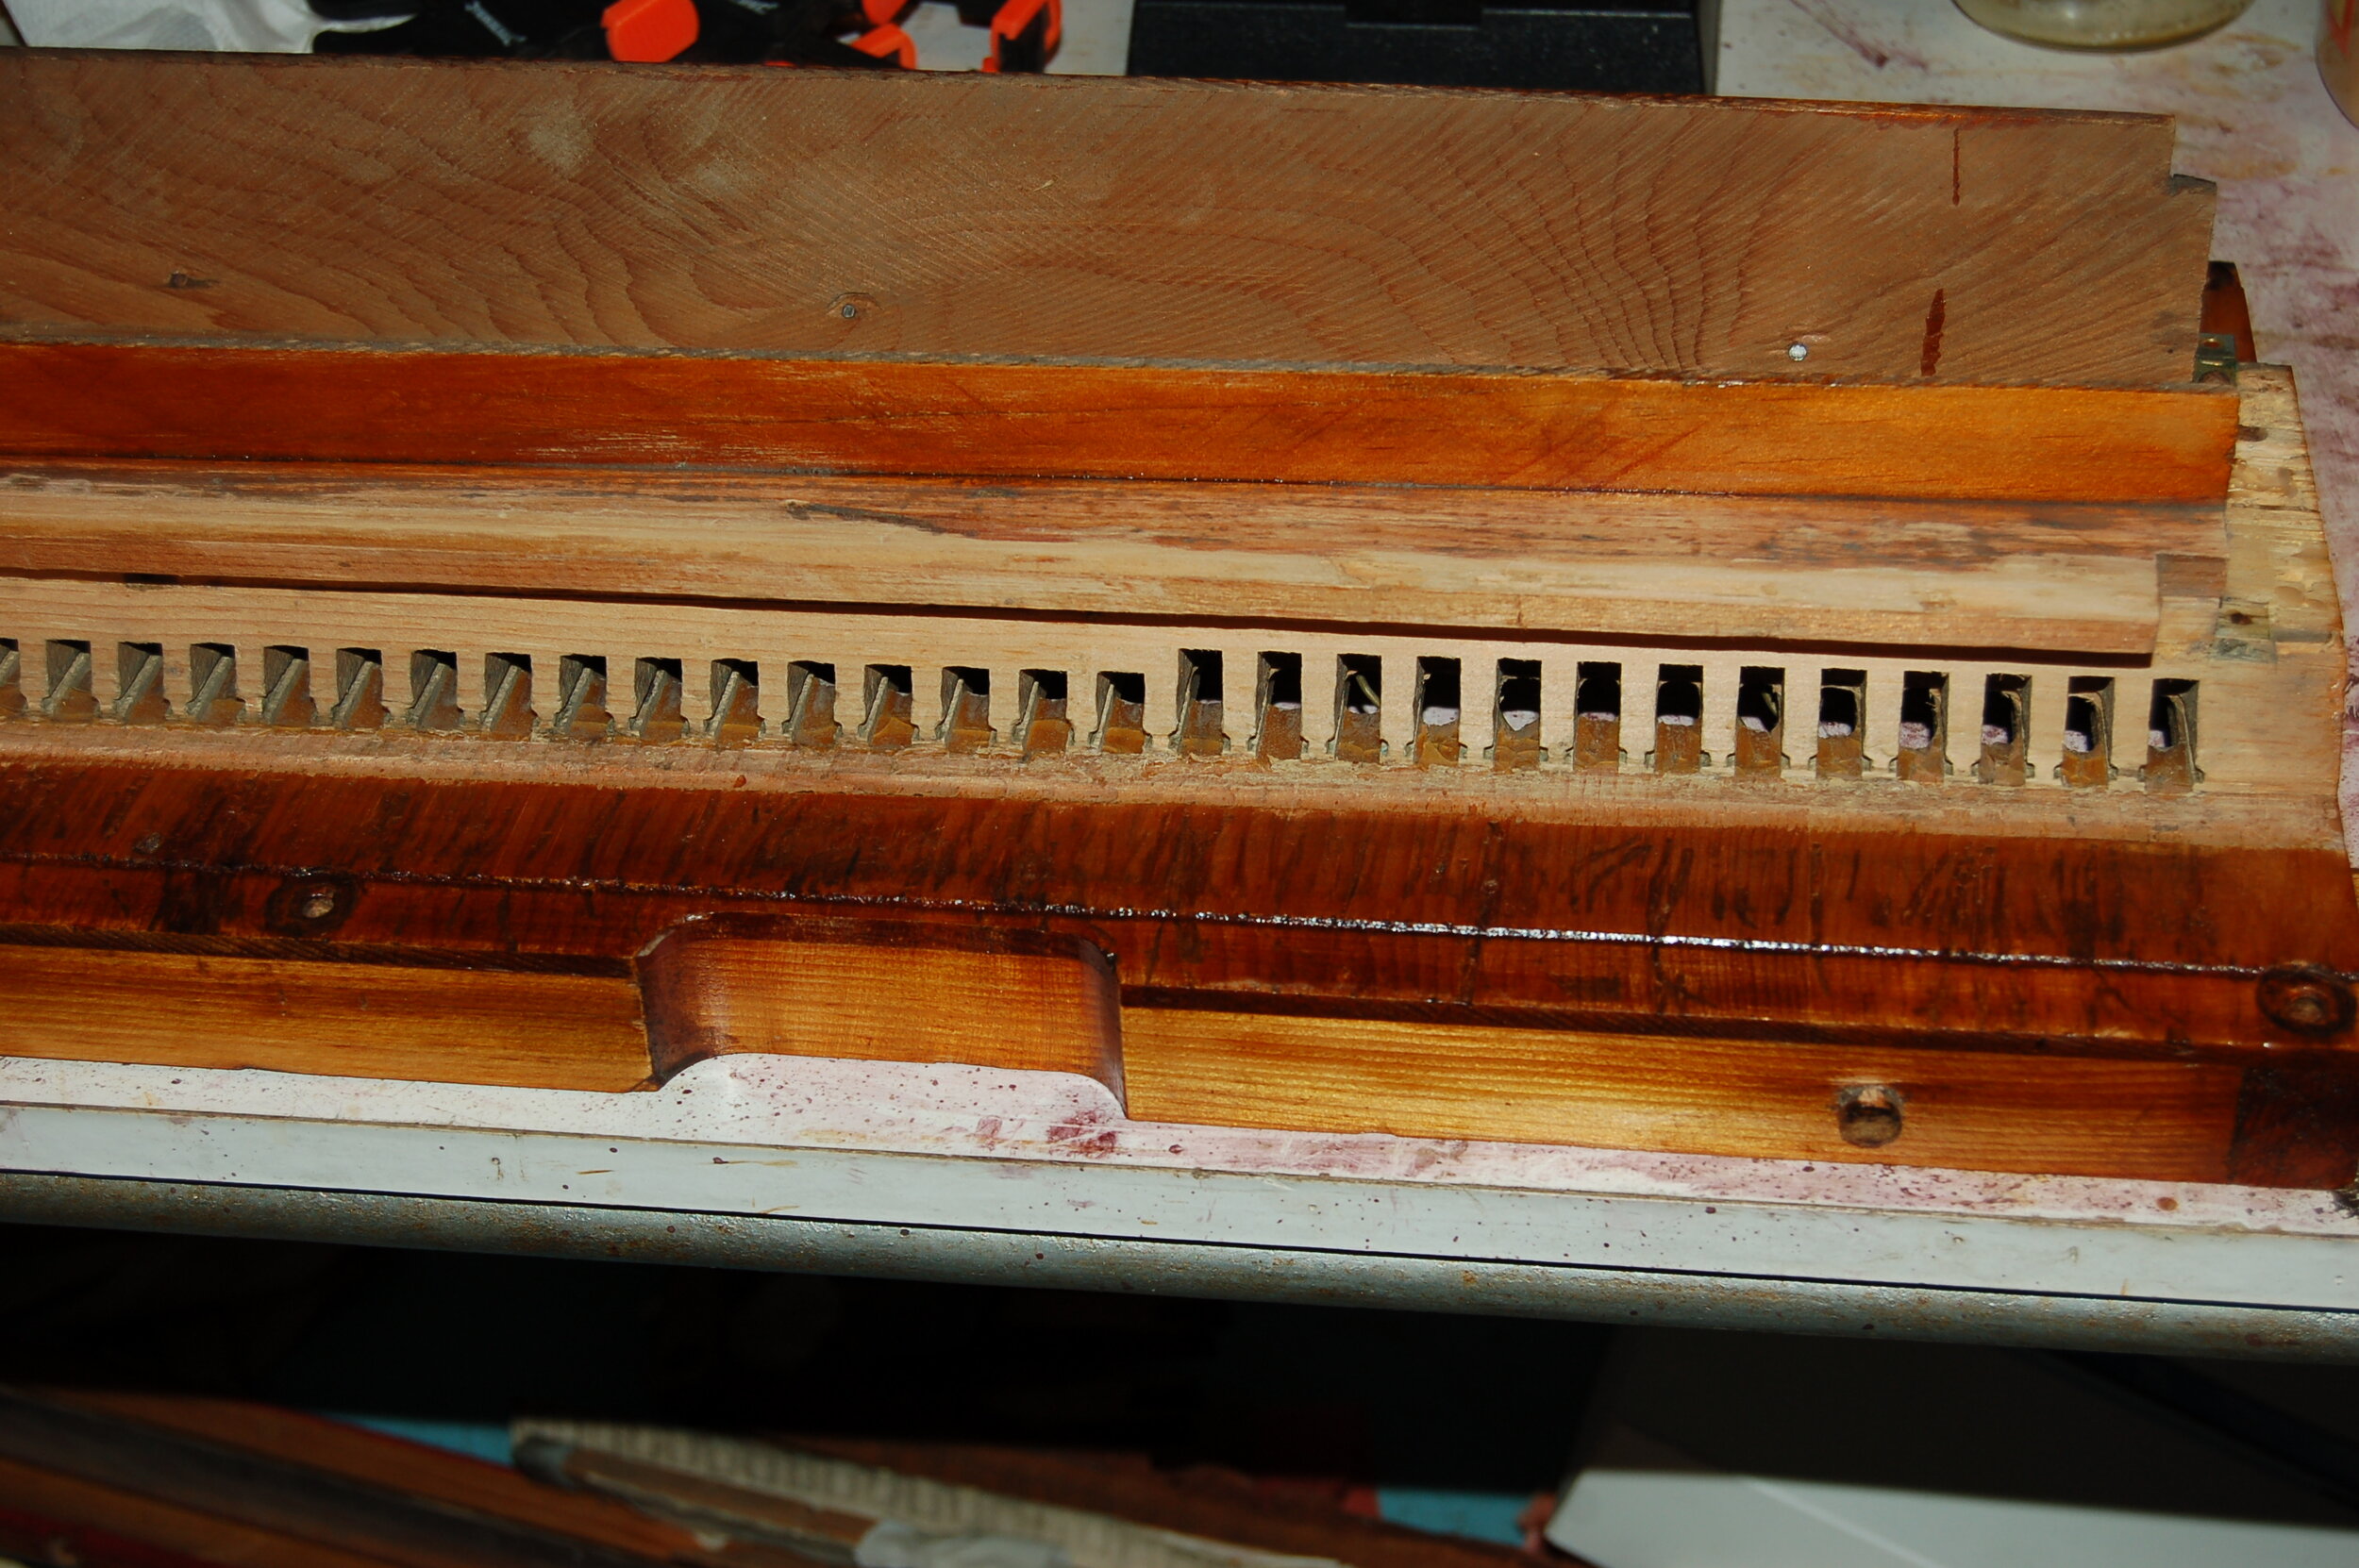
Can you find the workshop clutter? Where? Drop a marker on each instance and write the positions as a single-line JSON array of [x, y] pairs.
[[1024, 34]]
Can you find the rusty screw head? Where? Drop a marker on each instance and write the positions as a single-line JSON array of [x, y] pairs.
[[2306, 1000], [1867, 1115]]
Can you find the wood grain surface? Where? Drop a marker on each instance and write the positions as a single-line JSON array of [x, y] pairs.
[[2060, 577], [2045, 1002], [352, 1020], [811, 212], [1570, 430], [1777, 1099], [882, 991]]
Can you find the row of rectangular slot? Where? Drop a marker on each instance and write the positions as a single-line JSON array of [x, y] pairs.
[[1116, 721]]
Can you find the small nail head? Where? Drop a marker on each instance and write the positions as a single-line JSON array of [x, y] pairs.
[[319, 904], [1798, 351]]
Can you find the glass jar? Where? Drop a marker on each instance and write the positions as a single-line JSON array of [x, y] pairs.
[[2104, 24]]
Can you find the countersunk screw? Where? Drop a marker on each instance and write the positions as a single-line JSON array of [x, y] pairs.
[[2307, 1000]]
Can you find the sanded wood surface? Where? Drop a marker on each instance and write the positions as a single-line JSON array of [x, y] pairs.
[[883, 211], [2068, 578], [1774, 1098], [882, 991], [1566, 430], [354, 1020]]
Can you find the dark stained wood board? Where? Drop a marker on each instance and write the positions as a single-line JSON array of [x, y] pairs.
[[814, 211], [1707, 988], [2067, 577], [1690, 921], [1564, 432]]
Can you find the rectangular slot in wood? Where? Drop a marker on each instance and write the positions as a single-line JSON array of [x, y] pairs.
[[1201, 730], [1923, 754], [1043, 727], [1359, 708], [11, 680], [1842, 724], [2170, 760], [1679, 720], [1121, 713], [287, 700], [965, 710], [1598, 716], [2088, 737], [359, 690], [1438, 706], [2006, 729], [508, 713], [659, 690], [1516, 716], [888, 707], [1760, 741], [433, 691], [1278, 708], [140, 684], [69, 699], [810, 704], [213, 698], [736, 703], [581, 711]]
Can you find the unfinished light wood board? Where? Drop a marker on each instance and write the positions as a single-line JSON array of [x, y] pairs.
[[896, 992], [809, 211], [1559, 430], [356, 1020], [1954, 575], [1774, 1098]]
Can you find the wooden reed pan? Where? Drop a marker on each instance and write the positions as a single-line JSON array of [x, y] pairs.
[[1335, 608]]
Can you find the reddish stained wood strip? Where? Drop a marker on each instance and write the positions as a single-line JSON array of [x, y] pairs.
[[1125, 421]]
